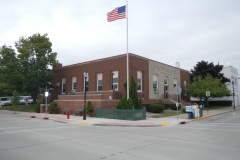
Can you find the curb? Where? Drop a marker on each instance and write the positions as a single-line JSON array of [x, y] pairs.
[[200, 118], [128, 124]]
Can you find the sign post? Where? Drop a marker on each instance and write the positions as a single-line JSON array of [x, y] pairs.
[[177, 90], [46, 95], [207, 95]]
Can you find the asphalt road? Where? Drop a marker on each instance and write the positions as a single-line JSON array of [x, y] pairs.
[[25, 138]]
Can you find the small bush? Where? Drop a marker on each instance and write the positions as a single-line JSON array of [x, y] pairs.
[[52, 108], [125, 103], [89, 107], [37, 107], [173, 107], [167, 105], [183, 110], [155, 108], [146, 106]]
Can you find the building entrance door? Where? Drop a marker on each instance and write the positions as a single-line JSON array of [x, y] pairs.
[[165, 92]]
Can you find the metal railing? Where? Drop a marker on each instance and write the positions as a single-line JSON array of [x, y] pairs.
[[124, 114]]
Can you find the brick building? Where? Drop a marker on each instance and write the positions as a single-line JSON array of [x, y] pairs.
[[106, 78]]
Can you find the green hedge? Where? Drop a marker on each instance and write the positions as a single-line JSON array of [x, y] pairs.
[[216, 103], [220, 103], [37, 107], [52, 108], [174, 107], [155, 108]]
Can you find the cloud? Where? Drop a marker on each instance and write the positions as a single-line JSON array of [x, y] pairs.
[[170, 31]]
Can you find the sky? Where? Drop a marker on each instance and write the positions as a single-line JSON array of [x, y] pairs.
[[168, 31]]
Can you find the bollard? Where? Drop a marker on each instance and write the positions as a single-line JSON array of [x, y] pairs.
[[68, 115]]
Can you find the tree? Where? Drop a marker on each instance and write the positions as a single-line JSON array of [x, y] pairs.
[[125, 103], [15, 99], [36, 59], [204, 68], [200, 85], [10, 75], [133, 94]]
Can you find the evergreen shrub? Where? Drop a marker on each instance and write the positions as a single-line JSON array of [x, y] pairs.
[[156, 108]]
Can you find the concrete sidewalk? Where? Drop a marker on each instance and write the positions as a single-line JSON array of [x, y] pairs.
[[149, 122]]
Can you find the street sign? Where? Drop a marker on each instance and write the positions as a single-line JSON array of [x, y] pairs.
[[207, 93], [46, 94], [177, 90]]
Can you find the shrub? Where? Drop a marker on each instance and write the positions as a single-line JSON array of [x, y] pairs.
[[125, 103], [89, 107], [173, 106], [219, 103], [146, 106], [155, 108], [52, 108], [167, 105], [37, 107], [183, 110]]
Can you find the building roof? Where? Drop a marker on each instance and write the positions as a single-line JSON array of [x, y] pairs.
[[117, 56]]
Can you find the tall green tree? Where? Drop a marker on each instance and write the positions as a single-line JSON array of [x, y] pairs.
[[204, 68], [15, 100], [133, 93], [10, 71], [200, 85], [36, 60]]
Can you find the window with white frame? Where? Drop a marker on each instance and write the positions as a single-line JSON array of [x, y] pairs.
[[63, 85], [185, 88], [115, 80], [99, 81], [139, 81], [74, 84], [155, 83]]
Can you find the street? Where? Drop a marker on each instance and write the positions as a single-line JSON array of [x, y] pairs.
[[26, 138]]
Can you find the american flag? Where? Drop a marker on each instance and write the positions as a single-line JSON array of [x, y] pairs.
[[117, 13]]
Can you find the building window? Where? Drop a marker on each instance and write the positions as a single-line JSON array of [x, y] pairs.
[[99, 81], [174, 83], [115, 80], [165, 81], [74, 84], [185, 88], [139, 81], [63, 85], [155, 83]]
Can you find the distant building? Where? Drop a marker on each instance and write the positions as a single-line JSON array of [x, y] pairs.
[[232, 73], [106, 78]]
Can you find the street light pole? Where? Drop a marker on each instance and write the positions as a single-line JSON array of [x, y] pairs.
[[85, 74], [46, 108], [233, 96]]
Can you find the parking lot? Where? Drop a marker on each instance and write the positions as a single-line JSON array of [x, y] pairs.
[[23, 137]]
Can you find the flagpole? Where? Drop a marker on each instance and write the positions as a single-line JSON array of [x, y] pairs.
[[127, 52]]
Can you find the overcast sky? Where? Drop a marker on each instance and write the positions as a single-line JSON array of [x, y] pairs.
[[168, 31]]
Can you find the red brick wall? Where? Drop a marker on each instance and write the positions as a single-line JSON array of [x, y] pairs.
[[104, 66]]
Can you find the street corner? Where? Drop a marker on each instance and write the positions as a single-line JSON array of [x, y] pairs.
[[84, 123], [60, 119], [201, 118], [164, 123]]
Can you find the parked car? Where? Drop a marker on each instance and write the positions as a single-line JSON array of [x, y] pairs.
[[5, 101], [25, 100]]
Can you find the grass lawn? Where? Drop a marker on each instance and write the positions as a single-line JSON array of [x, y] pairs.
[[166, 113], [23, 108]]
